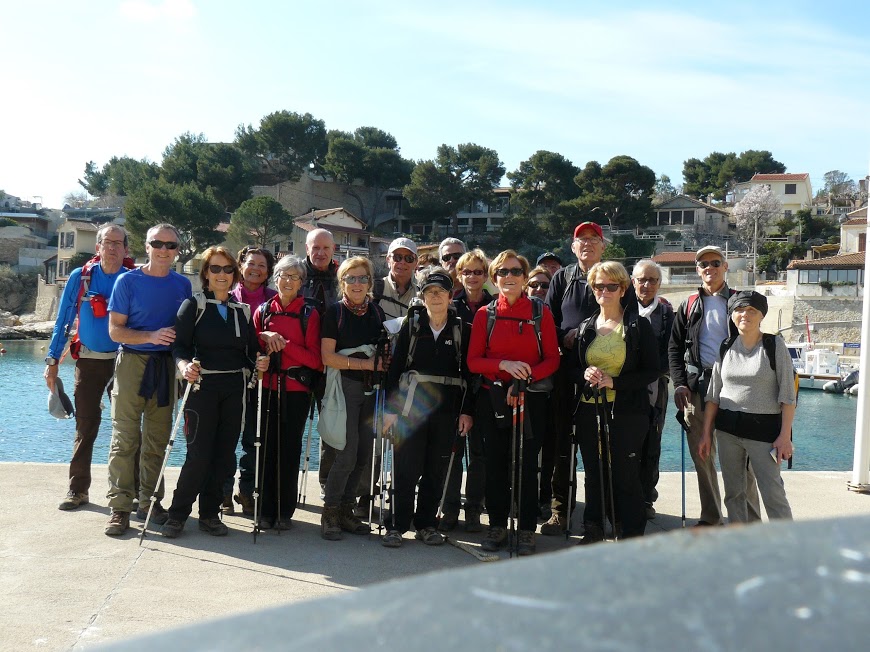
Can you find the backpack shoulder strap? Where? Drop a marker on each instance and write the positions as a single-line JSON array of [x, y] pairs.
[[413, 321], [690, 303], [726, 344], [768, 341], [378, 290], [200, 299]]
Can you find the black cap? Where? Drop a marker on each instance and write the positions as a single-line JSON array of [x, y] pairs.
[[440, 279], [748, 298], [547, 255]]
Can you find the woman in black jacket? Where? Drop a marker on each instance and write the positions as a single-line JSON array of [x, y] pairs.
[[216, 330], [616, 358], [426, 385]]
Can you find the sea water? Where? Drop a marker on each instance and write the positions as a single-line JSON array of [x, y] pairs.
[[824, 431]]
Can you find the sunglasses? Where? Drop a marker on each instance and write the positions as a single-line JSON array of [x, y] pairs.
[[447, 257], [512, 271], [543, 285], [160, 244], [610, 287], [363, 278], [290, 277], [472, 272], [217, 269], [647, 281], [704, 264], [408, 258]]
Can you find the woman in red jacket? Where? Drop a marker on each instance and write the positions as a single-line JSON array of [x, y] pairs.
[[290, 327], [508, 344]]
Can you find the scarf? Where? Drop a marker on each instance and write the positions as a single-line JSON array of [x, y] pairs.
[[358, 310], [648, 310]]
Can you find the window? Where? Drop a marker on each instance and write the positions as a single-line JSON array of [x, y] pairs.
[[791, 189], [688, 217], [813, 276], [360, 242], [277, 248]]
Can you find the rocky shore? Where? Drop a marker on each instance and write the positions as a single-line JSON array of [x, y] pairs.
[[24, 327]]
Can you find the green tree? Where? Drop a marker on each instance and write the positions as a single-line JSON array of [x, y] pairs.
[[285, 145], [717, 173], [839, 189], [120, 176], [814, 228], [220, 167], [259, 221], [543, 186], [367, 163], [664, 190], [195, 213], [622, 191], [79, 258], [456, 178], [614, 252]]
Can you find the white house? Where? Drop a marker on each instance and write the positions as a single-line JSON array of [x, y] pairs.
[[793, 191]]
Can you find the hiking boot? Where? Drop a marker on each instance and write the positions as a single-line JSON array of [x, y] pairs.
[[348, 521], [592, 533], [472, 522], [330, 526], [392, 539], [556, 526], [246, 501], [118, 523], [429, 536], [526, 543], [73, 500], [545, 511], [227, 507], [496, 537], [172, 528], [448, 522], [266, 523], [214, 526], [159, 516]]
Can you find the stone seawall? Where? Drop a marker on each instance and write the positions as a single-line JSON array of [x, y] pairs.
[[829, 309]]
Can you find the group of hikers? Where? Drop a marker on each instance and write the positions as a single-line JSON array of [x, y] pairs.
[[450, 355]]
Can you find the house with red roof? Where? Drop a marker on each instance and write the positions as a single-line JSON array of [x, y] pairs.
[[794, 191]]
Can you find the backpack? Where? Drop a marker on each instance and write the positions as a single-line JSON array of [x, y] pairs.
[[309, 306], [378, 294], [75, 345], [202, 300], [535, 321]]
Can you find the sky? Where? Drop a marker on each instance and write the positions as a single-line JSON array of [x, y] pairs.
[[86, 80]]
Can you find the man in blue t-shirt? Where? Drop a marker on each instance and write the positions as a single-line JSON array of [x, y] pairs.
[[87, 291], [142, 318]]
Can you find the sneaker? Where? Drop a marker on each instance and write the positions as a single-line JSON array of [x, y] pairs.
[[392, 539], [227, 506], [159, 516], [430, 536], [266, 523], [118, 523], [348, 521], [545, 511], [214, 526], [73, 500], [555, 526], [172, 528], [246, 501], [525, 543], [284, 523], [472, 522], [448, 522], [496, 537]]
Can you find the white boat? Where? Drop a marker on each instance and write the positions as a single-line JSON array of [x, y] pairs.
[[817, 366]]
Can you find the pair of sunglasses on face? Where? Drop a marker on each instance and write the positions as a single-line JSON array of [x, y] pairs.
[[217, 269], [704, 264], [363, 278], [472, 272], [447, 257], [408, 258], [161, 244], [543, 285], [504, 272]]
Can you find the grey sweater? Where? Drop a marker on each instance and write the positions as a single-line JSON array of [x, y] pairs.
[[744, 382]]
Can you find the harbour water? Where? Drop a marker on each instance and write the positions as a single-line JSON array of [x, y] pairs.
[[823, 434]]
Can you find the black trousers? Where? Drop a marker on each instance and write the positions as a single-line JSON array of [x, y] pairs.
[[652, 445], [499, 461], [246, 461], [475, 477], [422, 457], [212, 422], [283, 426], [555, 419], [627, 433], [564, 468]]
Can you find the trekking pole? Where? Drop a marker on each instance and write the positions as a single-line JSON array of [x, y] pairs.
[[456, 441], [169, 445], [278, 379], [511, 512], [683, 467], [382, 480], [376, 441], [598, 418], [521, 399], [302, 496], [258, 439], [608, 448], [572, 474]]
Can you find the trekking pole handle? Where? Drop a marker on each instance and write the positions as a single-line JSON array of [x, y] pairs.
[[196, 382]]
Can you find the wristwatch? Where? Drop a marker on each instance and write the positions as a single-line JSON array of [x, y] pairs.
[[51, 361]]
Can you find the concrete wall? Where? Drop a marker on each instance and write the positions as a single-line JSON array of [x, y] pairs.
[[12, 240], [299, 197]]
